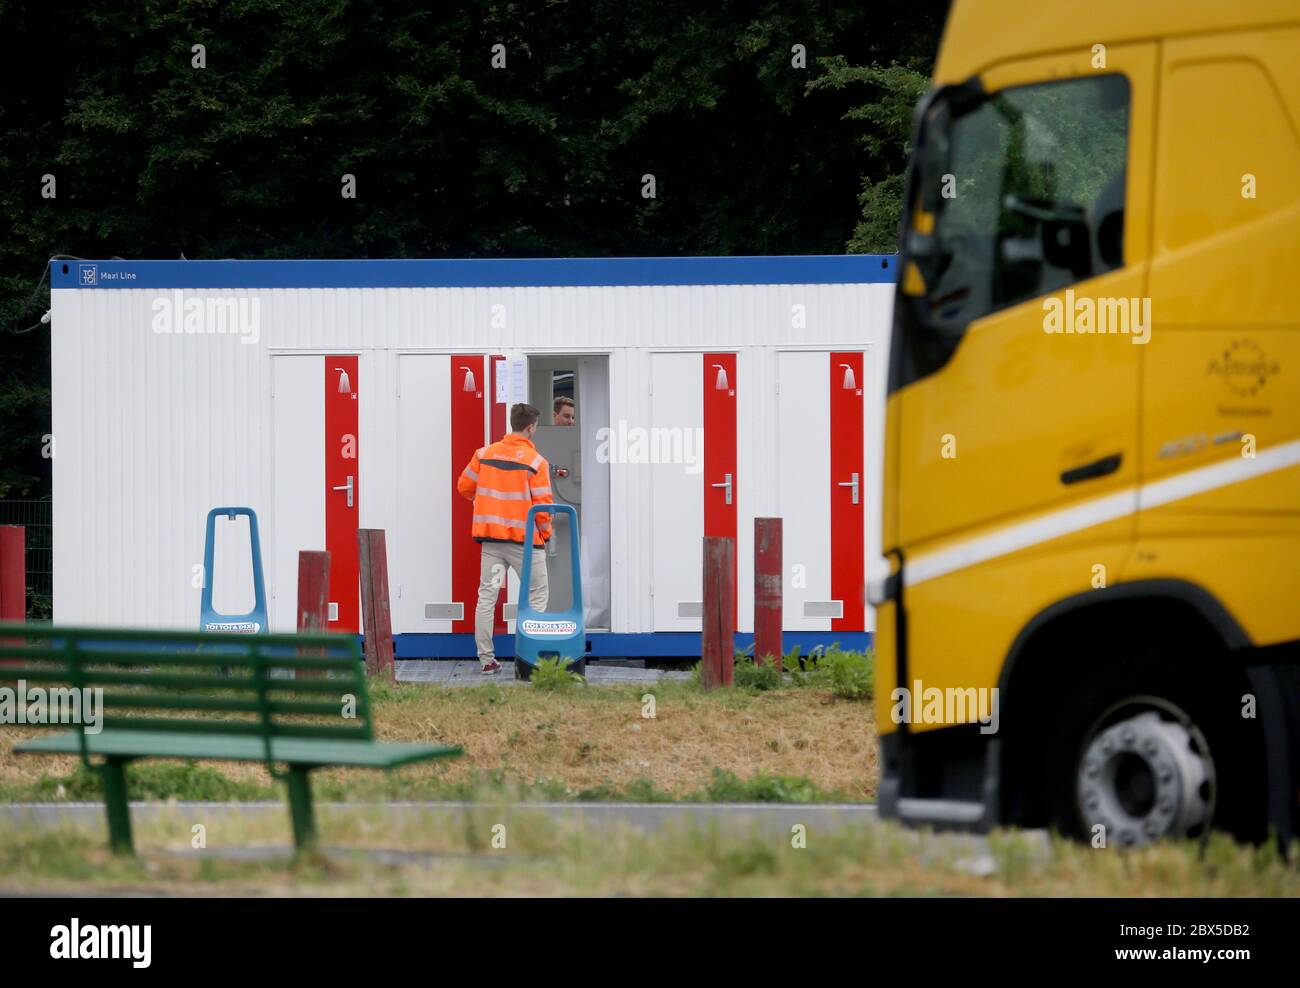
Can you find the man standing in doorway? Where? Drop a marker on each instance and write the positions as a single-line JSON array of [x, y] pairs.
[[564, 411], [504, 480]]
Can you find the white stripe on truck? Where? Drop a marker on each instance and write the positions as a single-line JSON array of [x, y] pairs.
[[1077, 517]]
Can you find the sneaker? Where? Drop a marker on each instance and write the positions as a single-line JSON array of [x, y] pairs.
[[491, 669]]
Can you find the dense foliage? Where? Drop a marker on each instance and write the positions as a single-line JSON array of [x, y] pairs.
[[153, 157]]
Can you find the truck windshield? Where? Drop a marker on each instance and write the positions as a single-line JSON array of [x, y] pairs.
[[1014, 195]]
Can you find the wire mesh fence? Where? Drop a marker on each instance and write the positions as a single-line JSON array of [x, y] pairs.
[[36, 517]]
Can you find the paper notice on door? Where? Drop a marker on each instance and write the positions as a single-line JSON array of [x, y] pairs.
[[503, 382], [512, 380]]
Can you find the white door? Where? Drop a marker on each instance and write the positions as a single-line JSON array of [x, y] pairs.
[[803, 470], [674, 435], [297, 521], [421, 548]]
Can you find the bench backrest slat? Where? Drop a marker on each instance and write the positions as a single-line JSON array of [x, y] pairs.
[[178, 725], [268, 686]]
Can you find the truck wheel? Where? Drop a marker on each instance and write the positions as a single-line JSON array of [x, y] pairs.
[[1145, 772], [1158, 750]]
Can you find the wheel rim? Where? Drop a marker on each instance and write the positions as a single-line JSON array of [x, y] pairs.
[[1145, 772]]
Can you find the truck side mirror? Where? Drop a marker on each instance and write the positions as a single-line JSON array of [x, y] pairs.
[[1066, 244]]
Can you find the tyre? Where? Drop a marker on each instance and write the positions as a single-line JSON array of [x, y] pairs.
[[1159, 753], [1145, 772]]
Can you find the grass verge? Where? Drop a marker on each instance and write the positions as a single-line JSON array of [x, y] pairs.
[[665, 741], [540, 857]]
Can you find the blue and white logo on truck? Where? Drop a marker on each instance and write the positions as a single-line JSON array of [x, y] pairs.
[[538, 626]]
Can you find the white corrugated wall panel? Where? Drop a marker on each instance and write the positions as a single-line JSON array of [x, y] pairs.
[[563, 319], [153, 430]]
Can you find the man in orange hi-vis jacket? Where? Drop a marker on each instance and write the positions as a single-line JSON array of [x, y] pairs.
[[504, 480]]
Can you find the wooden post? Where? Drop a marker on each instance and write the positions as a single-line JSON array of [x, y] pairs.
[[313, 590], [313, 595], [767, 590], [718, 647], [13, 581], [376, 619]]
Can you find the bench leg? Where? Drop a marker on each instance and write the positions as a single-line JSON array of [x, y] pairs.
[[300, 808], [113, 774]]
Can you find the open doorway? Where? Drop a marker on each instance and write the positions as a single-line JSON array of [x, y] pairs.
[[572, 393]]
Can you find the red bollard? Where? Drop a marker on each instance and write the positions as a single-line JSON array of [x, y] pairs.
[[13, 581], [313, 590], [13, 573], [767, 590], [313, 596], [376, 619], [717, 643]]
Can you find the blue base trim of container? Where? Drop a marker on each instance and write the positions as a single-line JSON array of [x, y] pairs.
[[610, 645]]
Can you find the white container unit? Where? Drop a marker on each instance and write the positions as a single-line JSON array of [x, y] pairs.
[[332, 395]]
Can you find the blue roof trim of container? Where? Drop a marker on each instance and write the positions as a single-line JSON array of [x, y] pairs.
[[828, 269]]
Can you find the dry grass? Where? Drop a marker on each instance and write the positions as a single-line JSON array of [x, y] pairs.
[[592, 739]]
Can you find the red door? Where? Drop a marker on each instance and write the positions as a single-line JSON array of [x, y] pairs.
[[497, 428], [342, 493], [848, 491], [720, 485], [473, 386]]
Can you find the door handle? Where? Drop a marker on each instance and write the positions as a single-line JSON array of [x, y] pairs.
[[1097, 468], [851, 483], [346, 487], [726, 485]]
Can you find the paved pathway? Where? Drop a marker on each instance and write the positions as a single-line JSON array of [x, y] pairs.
[[775, 817], [645, 816], [772, 819]]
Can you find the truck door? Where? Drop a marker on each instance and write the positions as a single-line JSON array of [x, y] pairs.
[[1220, 387], [1021, 321]]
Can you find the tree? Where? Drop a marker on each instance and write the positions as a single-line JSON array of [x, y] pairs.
[[451, 155], [885, 137]]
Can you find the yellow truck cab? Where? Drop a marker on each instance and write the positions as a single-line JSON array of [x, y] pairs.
[[1090, 617]]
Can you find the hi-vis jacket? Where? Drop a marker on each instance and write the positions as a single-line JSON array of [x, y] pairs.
[[504, 480]]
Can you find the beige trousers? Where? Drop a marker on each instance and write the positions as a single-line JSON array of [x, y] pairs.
[[496, 556]]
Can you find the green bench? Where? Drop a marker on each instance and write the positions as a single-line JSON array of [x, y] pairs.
[[297, 701]]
